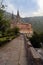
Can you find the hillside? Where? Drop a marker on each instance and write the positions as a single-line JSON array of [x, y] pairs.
[[8, 15], [37, 23]]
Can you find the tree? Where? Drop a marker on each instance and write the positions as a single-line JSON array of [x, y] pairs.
[[16, 30], [35, 40], [41, 37], [4, 24]]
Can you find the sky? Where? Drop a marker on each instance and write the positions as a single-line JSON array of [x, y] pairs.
[[27, 8]]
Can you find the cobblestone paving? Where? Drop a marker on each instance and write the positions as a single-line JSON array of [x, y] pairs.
[[13, 53]]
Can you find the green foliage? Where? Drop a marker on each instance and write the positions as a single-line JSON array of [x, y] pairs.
[[4, 24], [6, 33], [4, 40], [16, 30], [35, 40], [13, 32], [10, 34], [1, 13], [41, 37]]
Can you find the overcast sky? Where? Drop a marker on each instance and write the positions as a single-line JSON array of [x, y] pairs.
[[26, 8]]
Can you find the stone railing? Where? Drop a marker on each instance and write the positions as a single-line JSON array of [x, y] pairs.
[[34, 58]]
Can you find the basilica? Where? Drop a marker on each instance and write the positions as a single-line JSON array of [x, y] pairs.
[[24, 27]]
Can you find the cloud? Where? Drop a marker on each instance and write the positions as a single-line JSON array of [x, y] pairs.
[[27, 7], [24, 14], [10, 7], [39, 12]]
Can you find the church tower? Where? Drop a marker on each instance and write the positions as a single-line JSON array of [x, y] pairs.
[[18, 17], [18, 13]]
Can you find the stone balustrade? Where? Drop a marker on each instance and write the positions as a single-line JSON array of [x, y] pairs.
[[34, 58]]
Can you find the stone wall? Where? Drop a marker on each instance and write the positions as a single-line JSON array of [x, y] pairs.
[[34, 58]]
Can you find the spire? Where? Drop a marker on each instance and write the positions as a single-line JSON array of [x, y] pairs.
[[18, 16], [18, 13]]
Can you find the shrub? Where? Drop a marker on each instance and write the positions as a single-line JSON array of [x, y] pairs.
[[41, 37], [16, 30], [35, 40]]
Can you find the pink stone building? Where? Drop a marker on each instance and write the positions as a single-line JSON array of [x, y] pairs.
[[24, 27]]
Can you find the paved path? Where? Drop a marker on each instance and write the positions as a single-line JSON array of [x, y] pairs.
[[13, 53]]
